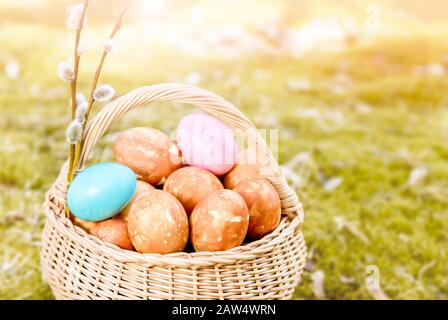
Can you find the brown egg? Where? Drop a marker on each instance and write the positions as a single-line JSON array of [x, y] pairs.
[[219, 222], [148, 152], [86, 225], [114, 231], [248, 165], [157, 223], [190, 185], [263, 203], [141, 187]]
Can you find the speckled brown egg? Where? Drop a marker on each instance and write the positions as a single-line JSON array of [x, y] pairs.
[[248, 165], [219, 222], [114, 231], [86, 225], [148, 152], [157, 223], [190, 185], [263, 203], [141, 187]]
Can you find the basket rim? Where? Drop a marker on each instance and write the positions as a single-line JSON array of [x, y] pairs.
[[54, 208]]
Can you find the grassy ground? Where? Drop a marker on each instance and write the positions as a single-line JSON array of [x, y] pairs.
[[367, 121]]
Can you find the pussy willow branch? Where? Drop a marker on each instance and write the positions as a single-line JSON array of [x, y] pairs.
[[76, 58], [91, 100]]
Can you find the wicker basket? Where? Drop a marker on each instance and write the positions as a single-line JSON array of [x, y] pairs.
[[80, 266]]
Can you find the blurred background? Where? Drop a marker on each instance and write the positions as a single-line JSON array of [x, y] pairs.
[[357, 90]]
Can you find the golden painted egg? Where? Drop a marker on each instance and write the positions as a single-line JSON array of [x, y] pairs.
[[141, 187], [148, 152], [157, 223], [113, 231], [86, 225], [219, 222], [264, 206], [248, 165], [190, 185]]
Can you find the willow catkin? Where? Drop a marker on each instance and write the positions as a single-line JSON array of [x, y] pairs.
[[65, 71], [103, 93], [81, 110], [74, 132]]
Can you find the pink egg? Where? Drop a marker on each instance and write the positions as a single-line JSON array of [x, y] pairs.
[[207, 143]]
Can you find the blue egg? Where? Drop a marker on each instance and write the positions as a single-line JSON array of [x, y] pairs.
[[101, 191]]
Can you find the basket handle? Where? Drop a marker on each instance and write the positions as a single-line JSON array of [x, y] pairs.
[[205, 100]]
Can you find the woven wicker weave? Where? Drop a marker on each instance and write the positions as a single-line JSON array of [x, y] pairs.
[[80, 266]]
